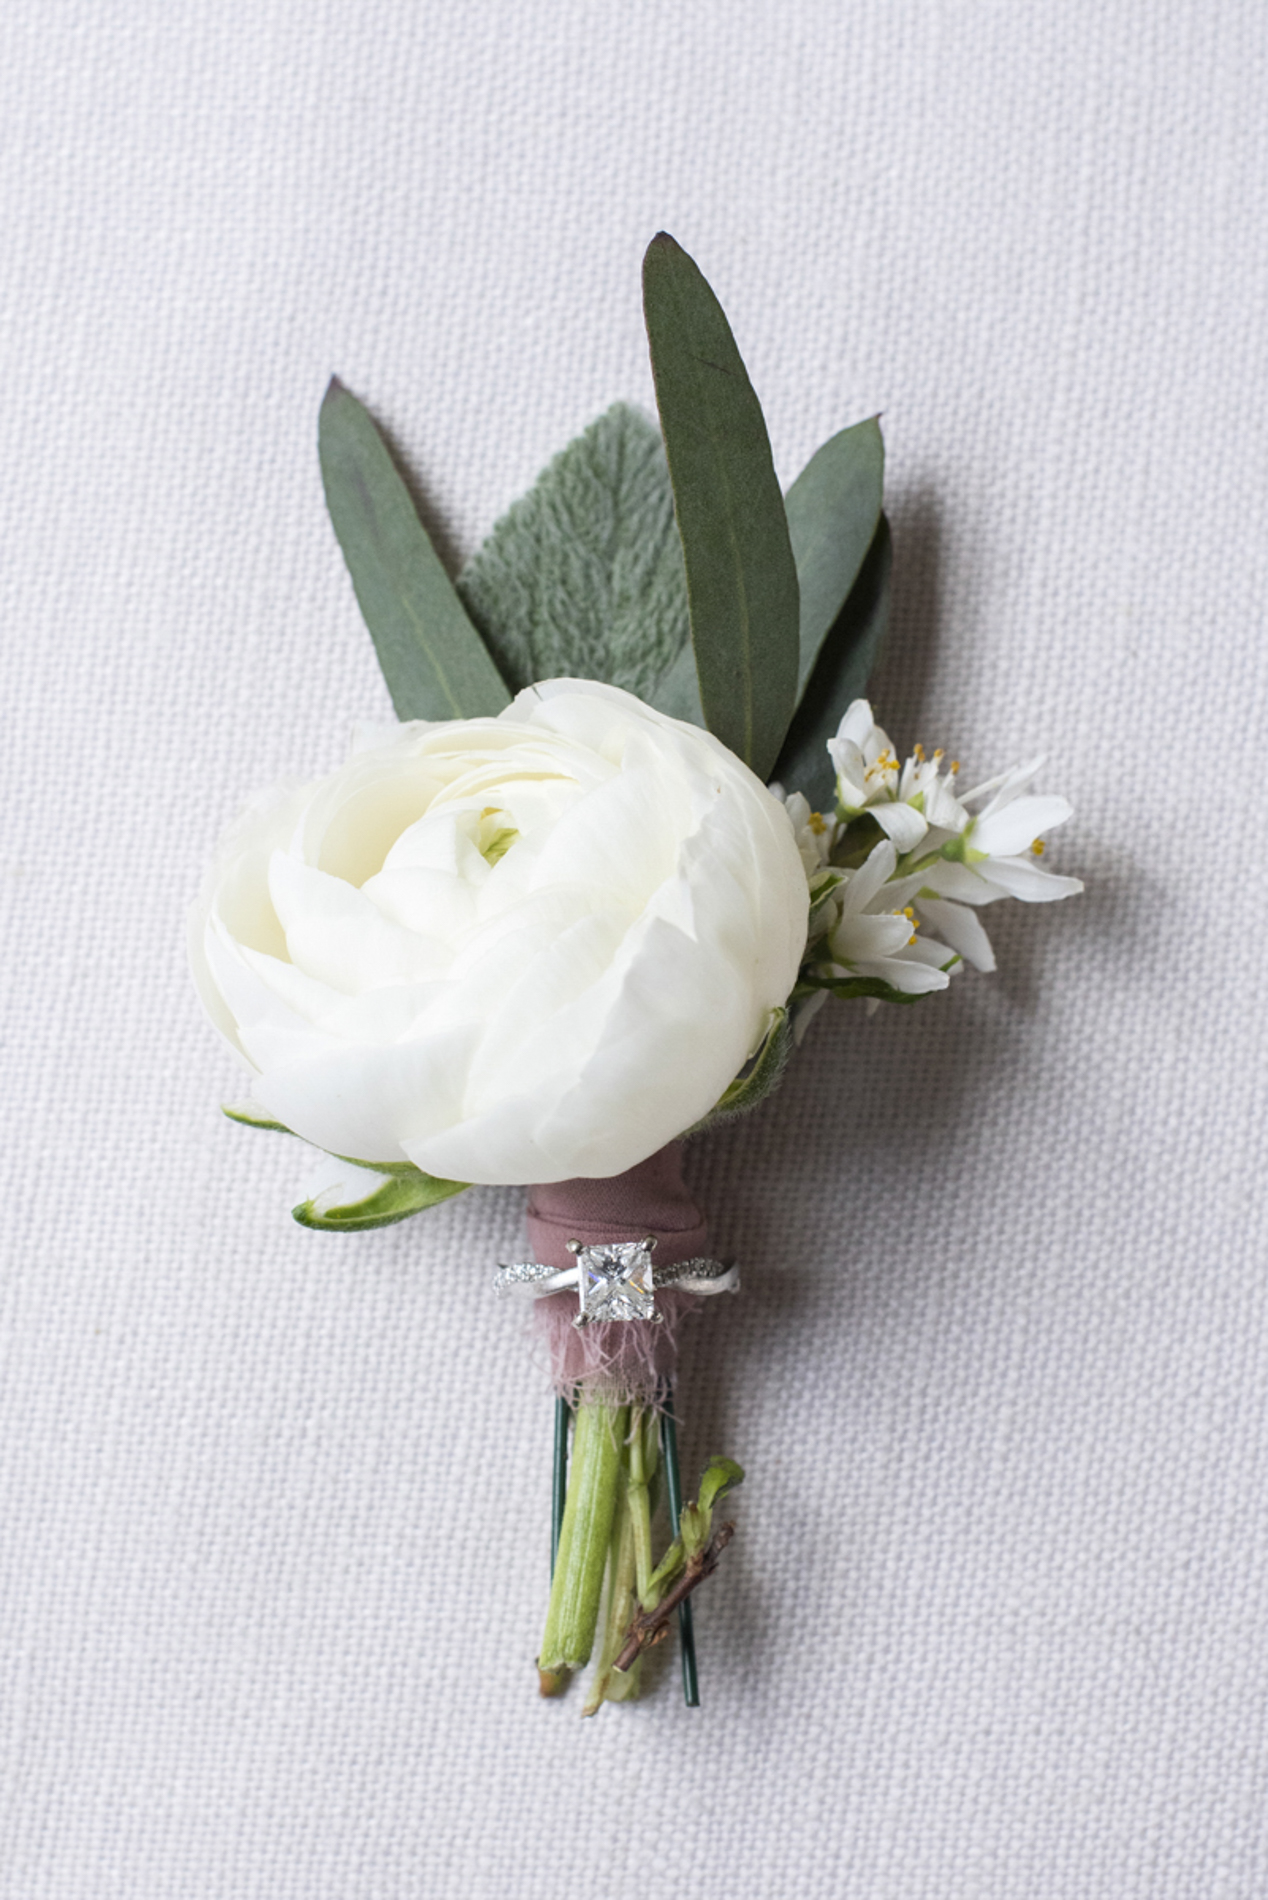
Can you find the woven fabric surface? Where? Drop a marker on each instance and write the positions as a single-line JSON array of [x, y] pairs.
[[275, 1506]]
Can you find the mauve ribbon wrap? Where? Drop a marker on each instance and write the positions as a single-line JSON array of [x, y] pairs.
[[625, 1360]]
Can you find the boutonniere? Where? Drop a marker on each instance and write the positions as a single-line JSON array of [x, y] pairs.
[[636, 825]]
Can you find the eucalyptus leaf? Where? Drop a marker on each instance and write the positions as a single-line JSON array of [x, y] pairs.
[[833, 510], [846, 660], [435, 663], [677, 691], [582, 578], [741, 576]]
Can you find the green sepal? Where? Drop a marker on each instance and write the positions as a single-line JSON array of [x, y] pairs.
[[834, 508], [741, 575], [393, 1190], [435, 663], [958, 850], [247, 1115], [582, 578], [840, 676], [760, 1076], [397, 1195]]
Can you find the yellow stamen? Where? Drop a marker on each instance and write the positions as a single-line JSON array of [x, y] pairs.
[[908, 911], [918, 752], [817, 823], [1037, 847], [940, 753], [955, 765]]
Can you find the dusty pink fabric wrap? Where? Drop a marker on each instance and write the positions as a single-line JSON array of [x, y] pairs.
[[626, 1359]]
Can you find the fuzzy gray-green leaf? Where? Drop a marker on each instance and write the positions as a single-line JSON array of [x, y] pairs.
[[833, 509], [847, 658], [582, 578], [435, 663], [759, 1077], [741, 577]]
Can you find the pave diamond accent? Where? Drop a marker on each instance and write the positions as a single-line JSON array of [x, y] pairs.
[[521, 1273], [615, 1282]]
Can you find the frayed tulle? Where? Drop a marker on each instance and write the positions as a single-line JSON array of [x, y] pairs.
[[623, 1362]]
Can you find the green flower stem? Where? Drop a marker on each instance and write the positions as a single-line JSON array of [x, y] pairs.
[[559, 1482], [593, 1483], [622, 1603], [642, 1461]]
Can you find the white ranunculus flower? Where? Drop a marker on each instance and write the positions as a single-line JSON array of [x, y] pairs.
[[506, 950]]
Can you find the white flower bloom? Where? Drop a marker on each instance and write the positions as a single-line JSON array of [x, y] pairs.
[[506, 950], [995, 854], [945, 859], [904, 800], [874, 937], [814, 833]]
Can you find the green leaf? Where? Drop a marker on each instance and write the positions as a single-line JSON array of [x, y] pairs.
[[373, 1196], [677, 691], [760, 1076], [833, 509], [741, 577], [435, 663], [847, 658], [582, 578], [847, 989], [666, 1570], [721, 1475]]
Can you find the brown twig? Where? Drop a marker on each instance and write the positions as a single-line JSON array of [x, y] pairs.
[[649, 1627]]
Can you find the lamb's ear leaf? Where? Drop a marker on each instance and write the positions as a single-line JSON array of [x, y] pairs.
[[361, 1196], [760, 1076], [846, 659], [435, 663], [833, 510], [582, 578], [741, 577]]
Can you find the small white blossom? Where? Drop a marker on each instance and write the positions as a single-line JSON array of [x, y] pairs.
[[814, 833], [994, 855], [948, 855], [875, 937], [904, 800]]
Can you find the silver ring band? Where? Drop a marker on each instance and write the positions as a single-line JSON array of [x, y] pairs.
[[616, 1281]]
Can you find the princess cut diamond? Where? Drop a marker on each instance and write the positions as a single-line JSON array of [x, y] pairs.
[[615, 1281]]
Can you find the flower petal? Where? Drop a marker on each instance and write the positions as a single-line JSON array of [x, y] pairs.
[[961, 930], [900, 823]]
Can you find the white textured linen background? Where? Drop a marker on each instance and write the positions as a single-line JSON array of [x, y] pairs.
[[275, 1504]]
